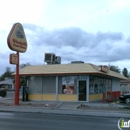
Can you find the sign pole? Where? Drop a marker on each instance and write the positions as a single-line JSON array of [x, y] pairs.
[[17, 79]]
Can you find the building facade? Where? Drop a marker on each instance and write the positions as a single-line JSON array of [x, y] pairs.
[[70, 82], [125, 86], [7, 84]]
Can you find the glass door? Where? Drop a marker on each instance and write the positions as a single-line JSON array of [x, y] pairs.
[[82, 90]]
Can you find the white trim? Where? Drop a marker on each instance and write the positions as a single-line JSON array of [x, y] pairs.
[[87, 89], [42, 90], [56, 88], [77, 90]]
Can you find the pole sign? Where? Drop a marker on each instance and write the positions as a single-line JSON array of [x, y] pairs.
[[13, 59], [16, 39]]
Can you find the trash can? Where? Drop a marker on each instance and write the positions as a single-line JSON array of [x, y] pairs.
[[25, 91], [3, 92]]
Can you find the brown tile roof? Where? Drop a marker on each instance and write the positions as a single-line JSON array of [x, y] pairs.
[[66, 69]]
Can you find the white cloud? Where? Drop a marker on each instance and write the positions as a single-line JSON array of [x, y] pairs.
[[21, 11], [119, 5], [92, 31]]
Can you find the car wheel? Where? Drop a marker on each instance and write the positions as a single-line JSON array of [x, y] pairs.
[[127, 100]]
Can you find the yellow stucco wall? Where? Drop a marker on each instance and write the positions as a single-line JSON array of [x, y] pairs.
[[42, 97], [61, 97], [49, 97], [67, 97], [100, 96], [95, 97], [36, 97]]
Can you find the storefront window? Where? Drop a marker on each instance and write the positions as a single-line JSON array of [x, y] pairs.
[[96, 85], [91, 84], [95, 88], [91, 89], [110, 85], [99, 85]]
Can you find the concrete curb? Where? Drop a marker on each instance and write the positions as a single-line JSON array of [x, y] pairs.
[[70, 112]]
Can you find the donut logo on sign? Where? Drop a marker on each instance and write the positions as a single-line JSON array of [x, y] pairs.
[[16, 39], [20, 33]]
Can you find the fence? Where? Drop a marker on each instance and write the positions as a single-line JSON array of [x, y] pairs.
[[111, 96]]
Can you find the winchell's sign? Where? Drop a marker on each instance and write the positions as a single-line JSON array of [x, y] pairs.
[[16, 39]]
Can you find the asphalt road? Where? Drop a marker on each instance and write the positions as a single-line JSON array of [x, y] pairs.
[[28, 121]]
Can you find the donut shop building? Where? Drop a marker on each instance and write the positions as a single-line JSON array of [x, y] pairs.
[[82, 82]]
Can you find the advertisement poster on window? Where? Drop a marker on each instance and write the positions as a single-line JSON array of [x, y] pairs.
[[68, 85]]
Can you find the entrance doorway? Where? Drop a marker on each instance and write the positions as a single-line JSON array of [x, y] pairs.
[[82, 90]]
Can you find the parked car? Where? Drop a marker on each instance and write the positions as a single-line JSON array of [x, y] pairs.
[[125, 98], [3, 92]]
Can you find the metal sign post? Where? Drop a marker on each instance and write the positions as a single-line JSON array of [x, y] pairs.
[[17, 84]]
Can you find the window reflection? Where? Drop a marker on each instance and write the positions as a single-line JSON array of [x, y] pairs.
[[99, 85]]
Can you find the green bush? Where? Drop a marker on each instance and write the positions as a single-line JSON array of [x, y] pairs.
[[3, 92]]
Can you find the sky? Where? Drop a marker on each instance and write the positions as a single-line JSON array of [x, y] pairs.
[[93, 31]]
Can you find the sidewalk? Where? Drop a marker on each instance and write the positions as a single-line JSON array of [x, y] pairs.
[[86, 109]]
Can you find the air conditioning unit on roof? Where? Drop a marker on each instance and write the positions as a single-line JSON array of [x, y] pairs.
[[50, 58], [57, 60]]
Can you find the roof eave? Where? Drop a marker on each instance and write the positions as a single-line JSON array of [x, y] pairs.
[[63, 74]]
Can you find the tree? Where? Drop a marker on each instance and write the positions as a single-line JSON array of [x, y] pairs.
[[23, 80], [129, 74], [114, 68], [24, 65], [125, 72], [7, 73]]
